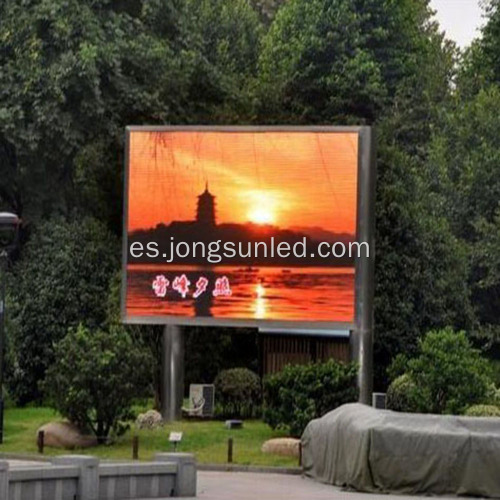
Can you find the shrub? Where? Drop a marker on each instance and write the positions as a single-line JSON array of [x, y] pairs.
[[61, 280], [401, 394], [237, 393], [448, 373], [95, 378], [483, 411], [300, 393]]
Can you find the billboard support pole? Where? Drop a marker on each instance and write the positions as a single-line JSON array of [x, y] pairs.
[[362, 335], [172, 364]]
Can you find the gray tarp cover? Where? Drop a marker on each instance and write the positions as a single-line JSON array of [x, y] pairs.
[[373, 450]]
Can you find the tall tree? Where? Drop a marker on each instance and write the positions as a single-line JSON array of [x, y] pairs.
[[73, 75], [342, 61], [466, 153], [227, 35], [382, 63]]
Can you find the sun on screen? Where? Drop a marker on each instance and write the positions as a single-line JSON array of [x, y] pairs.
[[262, 208], [261, 216]]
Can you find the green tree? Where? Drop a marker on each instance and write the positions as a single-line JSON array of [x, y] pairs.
[[385, 64], [73, 75], [95, 378], [466, 155], [480, 66], [227, 36], [422, 268], [342, 62], [61, 280]]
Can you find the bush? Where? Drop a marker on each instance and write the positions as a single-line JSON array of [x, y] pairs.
[[401, 395], [95, 378], [237, 393], [448, 374], [483, 411], [61, 280], [300, 393]]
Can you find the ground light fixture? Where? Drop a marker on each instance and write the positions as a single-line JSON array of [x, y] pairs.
[[9, 237]]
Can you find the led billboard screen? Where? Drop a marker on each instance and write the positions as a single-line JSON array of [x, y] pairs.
[[242, 225]]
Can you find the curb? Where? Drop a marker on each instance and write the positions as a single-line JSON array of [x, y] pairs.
[[294, 471], [25, 456]]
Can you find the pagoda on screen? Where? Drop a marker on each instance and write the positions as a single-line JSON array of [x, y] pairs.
[[205, 211]]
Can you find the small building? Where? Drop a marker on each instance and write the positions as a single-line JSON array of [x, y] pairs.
[[280, 348]]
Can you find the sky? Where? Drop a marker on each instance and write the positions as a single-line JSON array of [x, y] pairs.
[[288, 179], [459, 18]]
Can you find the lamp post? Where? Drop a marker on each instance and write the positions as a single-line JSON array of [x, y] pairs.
[[9, 234]]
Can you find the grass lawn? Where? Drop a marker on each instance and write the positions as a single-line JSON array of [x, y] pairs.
[[207, 440]]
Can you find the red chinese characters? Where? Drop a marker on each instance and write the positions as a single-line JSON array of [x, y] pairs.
[[181, 285], [222, 287], [160, 285], [201, 286]]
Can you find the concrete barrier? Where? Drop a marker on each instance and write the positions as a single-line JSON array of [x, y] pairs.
[[185, 480], [41, 483], [148, 480], [71, 477]]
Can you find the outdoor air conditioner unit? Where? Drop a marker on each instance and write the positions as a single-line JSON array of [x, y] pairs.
[[204, 394], [378, 400]]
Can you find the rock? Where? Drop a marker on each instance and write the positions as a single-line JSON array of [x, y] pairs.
[[65, 435], [287, 447], [149, 420]]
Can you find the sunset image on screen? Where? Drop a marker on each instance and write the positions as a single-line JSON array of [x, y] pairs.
[[241, 186]]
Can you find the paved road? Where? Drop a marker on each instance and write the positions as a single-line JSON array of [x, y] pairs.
[[256, 486]]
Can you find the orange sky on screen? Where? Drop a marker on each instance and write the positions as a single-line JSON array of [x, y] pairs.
[[289, 179]]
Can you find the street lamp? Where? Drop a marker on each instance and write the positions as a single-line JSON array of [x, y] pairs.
[[9, 236]]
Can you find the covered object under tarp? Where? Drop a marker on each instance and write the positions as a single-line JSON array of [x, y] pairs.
[[371, 450]]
